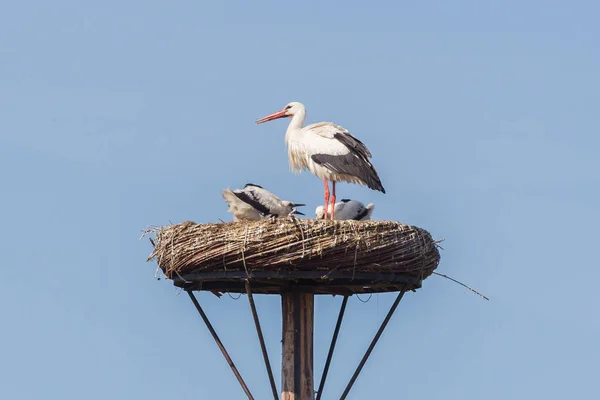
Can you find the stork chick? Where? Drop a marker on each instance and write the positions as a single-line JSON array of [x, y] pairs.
[[253, 203], [347, 209]]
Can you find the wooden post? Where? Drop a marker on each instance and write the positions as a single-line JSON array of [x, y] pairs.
[[297, 346]]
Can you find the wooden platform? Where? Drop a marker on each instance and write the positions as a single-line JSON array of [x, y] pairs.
[[316, 282]]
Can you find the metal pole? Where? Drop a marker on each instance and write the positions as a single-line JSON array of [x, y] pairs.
[[261, 340], [332, 347], [373, 343], [220, 344]]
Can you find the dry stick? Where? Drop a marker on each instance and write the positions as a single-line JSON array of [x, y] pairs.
[[157, 264], [301, 233], [462, 284], [243, 246], [172, 251]]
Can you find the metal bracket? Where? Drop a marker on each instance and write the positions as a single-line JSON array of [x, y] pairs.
[[261, 339], [220, 344], [336, 331], [373, 343]]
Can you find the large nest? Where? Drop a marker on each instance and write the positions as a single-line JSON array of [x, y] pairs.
[[289, 245]]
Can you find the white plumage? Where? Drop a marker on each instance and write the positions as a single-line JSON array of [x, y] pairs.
[[347, 209], [253, 203], [316, 139], [327, 150]]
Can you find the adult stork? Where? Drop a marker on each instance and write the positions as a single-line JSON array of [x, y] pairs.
[[327, 150]]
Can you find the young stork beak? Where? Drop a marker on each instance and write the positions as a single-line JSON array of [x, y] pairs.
[[294, 210], [278, 114]]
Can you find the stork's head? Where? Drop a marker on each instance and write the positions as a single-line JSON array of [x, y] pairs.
[[290, 207], [320, 212], [289, 110]]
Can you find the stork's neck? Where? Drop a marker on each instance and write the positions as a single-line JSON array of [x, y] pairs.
[[297, 121]]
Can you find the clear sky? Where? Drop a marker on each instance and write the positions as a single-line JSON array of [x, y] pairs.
[[483, 121]]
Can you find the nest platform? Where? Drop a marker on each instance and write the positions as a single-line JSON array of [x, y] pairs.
[[279, 255]]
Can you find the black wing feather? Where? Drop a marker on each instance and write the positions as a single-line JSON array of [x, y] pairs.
[[356, 163], [250, 199], [352, 143], [351, 164]]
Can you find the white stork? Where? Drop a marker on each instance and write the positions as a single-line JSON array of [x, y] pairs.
[[327, 150], [347, 209], [253, 203]]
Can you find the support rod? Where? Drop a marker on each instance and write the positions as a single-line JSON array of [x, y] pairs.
[[336, 331], [261, 339], [373, 343], [220, 344]]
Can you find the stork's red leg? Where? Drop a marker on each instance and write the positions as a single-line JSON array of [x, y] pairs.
[[333, 200], [326, 185]]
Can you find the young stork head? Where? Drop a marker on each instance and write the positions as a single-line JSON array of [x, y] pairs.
[[320, 212], [290, 208], [288, 111]]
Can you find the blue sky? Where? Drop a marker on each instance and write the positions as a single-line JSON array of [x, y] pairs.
[[483, 122]]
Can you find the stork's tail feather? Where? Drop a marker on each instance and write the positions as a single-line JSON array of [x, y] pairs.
[[230, 198], [370, 207]]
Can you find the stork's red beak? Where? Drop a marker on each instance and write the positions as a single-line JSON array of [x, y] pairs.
[[278, 114]]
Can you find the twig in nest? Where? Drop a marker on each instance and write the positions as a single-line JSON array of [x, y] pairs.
[[295, 221], [148, 230], [462, 284], [244, 246]]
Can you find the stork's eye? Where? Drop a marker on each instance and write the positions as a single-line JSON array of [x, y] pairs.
[[288, 107]]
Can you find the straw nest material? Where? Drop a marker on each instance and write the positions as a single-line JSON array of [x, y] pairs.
[[289, 244]]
